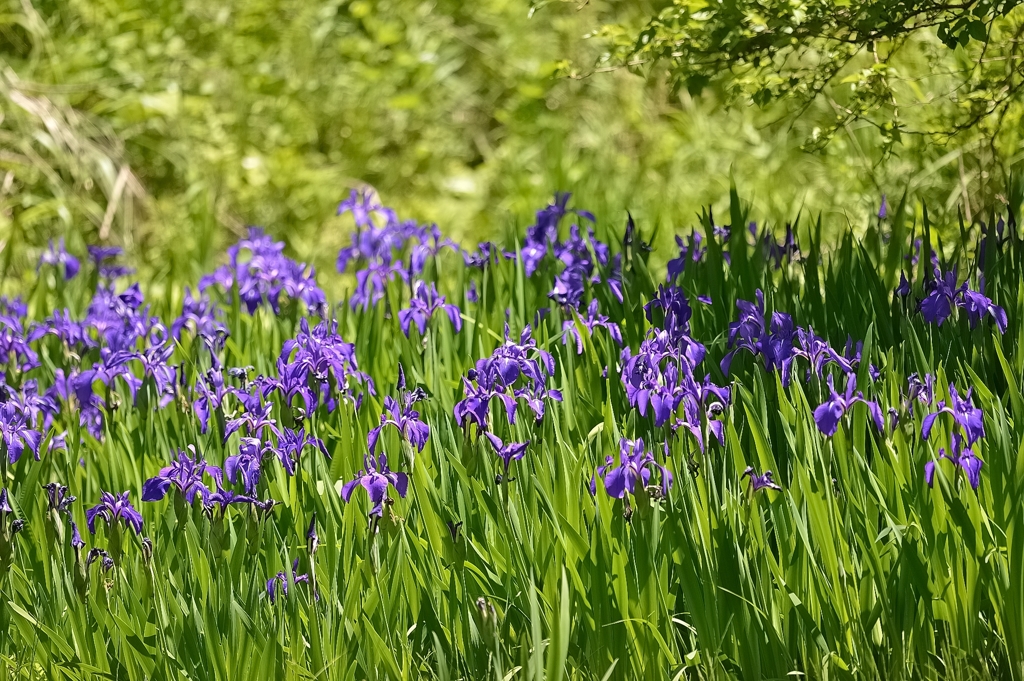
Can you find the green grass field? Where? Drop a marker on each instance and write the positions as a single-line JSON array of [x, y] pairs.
[[846, 564]]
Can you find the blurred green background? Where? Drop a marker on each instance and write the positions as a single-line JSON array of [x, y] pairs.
[[166, 126]]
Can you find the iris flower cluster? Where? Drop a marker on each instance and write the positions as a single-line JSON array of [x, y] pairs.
[[943, 295], [259, 269], [661, 378], [515, 371], [968, 428], [634, 465], [585, 259], [379, 243]]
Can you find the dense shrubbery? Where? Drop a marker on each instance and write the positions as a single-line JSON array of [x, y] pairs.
[[532, 460]]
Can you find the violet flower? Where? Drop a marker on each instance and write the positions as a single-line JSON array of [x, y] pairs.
[[57, 498], [77, 543], [57, 256], [593, 321], [312, 540], [976, 304], [244, 467], [404, 418], [763, 481], [322, 354], [279, 582], [828, 414], [265, 275], [964, 413], [112, 508], [499, 376], [513, 451], [903, 290], [774, 343], [202, 317], [254, 419], [18, 434], [961, 456], [290, 444], [375, 479], [186, 473], [223, 498], [425, 301], [940, 298], [634, 466]]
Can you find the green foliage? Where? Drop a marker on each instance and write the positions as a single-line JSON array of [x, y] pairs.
[[927, 76], [167, 126], [856, 569]]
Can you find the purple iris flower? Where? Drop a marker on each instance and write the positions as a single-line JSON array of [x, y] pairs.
[[585, 259], [475, 406], [903, 290], [279, 582], [943, 295], [675, 310], [513, 451], [14, 341], [223, 498], [244, 467], [403, 417], [976, 304], [312, 540], [964, 413], [71, 333], [542, 234], [691, 251], [77, 543], [186, 473], [372, 282], [379, 238], [57, 498], [290, 444], [255, 417], [18, 434], [265, 274], [593, 321], [322, 354], [961, 456], [660, 375], [202, 317], [209, 394], [111, 508], [425, 301], [101, 254], [883, 209], [763, 481], [514, 370], [292, 381], [375, 478], [635, 465], [486, 252], [921, 390], [828, 415], [777, 252], [774, 343], [818, 353], [940, 299], [57, 256], [5, 502]]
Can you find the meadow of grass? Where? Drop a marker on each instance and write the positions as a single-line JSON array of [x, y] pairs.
[[357, 501], [169, 125]]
